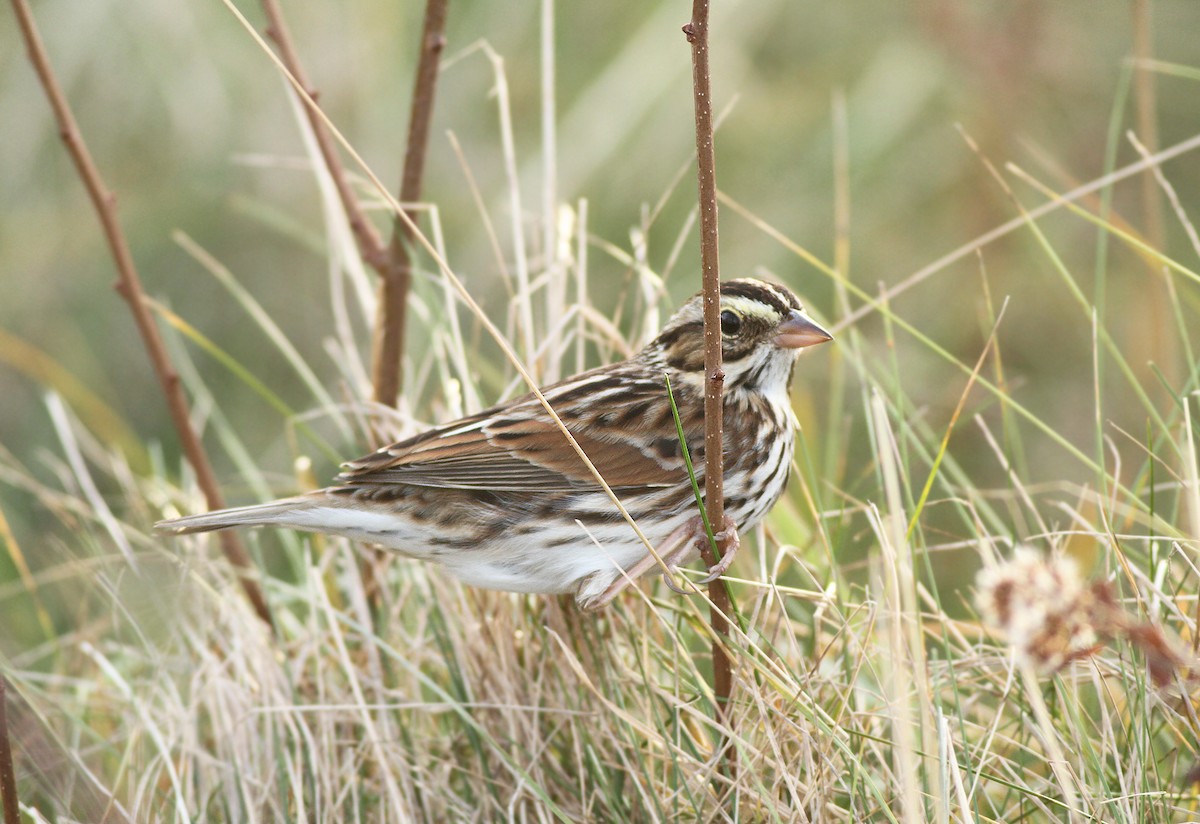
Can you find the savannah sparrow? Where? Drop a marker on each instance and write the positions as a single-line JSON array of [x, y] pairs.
[[502, 501]]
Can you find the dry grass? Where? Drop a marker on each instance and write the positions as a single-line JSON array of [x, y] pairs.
[[863, 692], [854, 701], [866, 688]]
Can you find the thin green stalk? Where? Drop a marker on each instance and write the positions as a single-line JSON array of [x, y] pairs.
[[687, 460]]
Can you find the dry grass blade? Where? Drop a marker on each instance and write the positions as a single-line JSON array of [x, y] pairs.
[[901, 624], [370, 245]]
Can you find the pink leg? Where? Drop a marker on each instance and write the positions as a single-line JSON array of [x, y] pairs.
[[677, 547], [733, 542]]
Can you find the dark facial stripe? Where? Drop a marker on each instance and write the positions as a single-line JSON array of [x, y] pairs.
[[686, 359], [773, 295], [671, 335]]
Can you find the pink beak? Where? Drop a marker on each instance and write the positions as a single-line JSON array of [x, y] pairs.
[[798, 331]]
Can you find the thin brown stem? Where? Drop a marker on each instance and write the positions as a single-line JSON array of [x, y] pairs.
[[391, 260], [714, 384], [8, 778], [397, 274], [129, 286], [370, 244]]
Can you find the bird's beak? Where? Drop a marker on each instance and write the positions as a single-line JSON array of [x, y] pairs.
[[798, 331]]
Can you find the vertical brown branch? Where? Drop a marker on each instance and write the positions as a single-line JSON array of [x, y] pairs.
[[391, 261], [370, 245], [388, 367], [8, 778], [714, 384], [129, 286]]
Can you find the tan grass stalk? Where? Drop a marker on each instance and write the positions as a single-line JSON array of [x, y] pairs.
[[1191, 485], [523, 301], [907, 673]]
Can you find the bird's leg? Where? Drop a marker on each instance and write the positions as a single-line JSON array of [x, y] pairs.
[[677, 548], [694, 537], [729, 536], [682, 552]]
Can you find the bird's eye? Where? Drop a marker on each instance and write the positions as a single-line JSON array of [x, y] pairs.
[[731, 322]]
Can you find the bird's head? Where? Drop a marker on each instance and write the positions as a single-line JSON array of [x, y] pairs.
[[763, 328]]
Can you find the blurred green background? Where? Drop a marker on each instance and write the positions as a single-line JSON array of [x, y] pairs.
[[192, 127]]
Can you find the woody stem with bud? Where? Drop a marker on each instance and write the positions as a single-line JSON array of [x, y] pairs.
[[697, 35]]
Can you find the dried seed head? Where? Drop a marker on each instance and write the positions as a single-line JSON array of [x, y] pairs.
[[1052, 617], [1041, 606]]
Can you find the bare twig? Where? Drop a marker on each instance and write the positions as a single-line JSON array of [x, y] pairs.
[[714, 384], [129, 286], [370, 245], [397, 273], [8, 778], [391, 261]]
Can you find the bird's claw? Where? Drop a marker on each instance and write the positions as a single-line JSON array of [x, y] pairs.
[[668, 576], [732, 540], [727, 536], [714, 572]]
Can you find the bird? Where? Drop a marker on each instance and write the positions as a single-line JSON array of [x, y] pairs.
[[501, 500]]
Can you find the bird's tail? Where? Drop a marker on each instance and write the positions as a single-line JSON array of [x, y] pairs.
[[280, 513]]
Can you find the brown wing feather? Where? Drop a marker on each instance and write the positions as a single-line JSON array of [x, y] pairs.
[[518, 447]]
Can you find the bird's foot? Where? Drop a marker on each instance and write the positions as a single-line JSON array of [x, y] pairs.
[[699, 538], [728, 538]]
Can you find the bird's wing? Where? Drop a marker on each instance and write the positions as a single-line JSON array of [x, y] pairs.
[[519, 448]]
